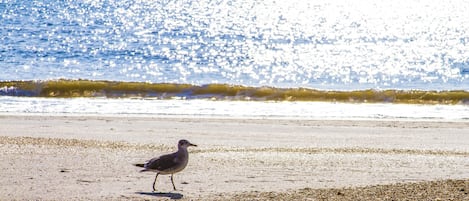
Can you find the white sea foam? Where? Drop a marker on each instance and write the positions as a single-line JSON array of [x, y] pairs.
[[230, 109]]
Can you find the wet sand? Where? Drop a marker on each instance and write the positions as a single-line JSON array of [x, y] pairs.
[[91, 157]]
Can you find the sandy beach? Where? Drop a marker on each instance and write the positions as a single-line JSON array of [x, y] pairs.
[[90, 158]]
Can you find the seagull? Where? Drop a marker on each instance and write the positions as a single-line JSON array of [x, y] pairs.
[[169, 163]]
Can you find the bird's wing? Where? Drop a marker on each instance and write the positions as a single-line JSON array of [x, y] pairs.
[[162, 163]]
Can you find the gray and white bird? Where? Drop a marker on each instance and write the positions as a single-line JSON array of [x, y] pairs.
[[169, 163]]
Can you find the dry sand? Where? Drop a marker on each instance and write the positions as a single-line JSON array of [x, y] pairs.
[[91, 157]]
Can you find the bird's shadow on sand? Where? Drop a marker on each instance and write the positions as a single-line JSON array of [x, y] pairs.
[[173, 196]]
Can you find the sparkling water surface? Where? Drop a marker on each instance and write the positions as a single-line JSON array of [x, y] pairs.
[[323, 44]]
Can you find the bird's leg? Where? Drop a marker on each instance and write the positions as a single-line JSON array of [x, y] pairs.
[[174, 187], [155, 182]]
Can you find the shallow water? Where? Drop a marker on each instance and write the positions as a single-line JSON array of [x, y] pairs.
[[229, 109], [327, 45]]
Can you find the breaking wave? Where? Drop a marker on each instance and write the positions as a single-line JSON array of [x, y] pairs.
[[119, 89]]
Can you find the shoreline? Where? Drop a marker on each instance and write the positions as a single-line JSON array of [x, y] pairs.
[[198, 108], [90, 157]]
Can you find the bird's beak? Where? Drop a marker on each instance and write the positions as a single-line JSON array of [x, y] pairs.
[[190, 144]]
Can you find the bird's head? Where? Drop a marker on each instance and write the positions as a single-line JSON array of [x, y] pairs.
[[185, 144]]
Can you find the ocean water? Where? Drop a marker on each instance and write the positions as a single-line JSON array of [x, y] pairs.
[[325, 45], [321, 44]]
